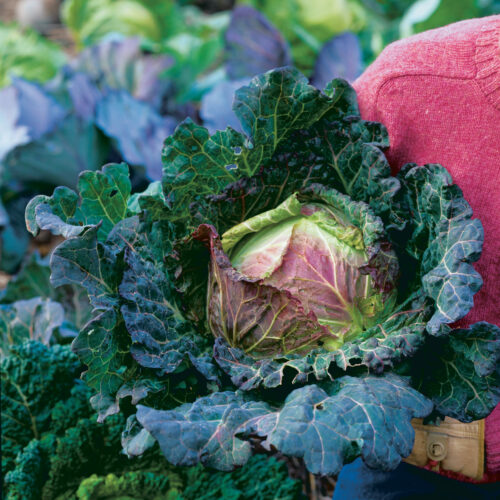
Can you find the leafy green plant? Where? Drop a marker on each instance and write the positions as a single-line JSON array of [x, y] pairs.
[[159, 339], [53, 447], [28, 55]]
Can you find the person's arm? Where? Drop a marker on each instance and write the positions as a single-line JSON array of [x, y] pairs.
[[438, 94]]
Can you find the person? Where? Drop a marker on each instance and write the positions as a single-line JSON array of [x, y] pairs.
[[438, 94]]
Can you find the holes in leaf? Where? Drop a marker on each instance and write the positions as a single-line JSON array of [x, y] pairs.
[[237, 150], [113, 193], [232, 166], [319, 406]]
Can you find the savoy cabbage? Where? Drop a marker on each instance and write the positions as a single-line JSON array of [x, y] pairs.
[[220, 356]]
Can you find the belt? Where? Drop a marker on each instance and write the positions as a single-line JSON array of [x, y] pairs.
[[452, 446]]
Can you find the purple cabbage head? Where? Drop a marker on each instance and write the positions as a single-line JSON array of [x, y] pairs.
[[312, 272]]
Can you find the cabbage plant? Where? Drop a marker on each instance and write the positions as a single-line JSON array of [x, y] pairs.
[[318, 325]]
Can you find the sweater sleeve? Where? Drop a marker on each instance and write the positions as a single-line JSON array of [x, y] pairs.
[[438, 94]]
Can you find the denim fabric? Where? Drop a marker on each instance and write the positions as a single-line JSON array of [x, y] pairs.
[[358, 482]]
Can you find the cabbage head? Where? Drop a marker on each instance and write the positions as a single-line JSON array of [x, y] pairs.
[[309, 252]]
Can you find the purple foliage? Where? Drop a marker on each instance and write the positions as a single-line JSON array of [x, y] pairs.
[[137, 128], [120, 64], [340, 57], [253, 44], [28, 112], [217, 106]]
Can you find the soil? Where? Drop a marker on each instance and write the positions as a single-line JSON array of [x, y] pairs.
[[8, 10]]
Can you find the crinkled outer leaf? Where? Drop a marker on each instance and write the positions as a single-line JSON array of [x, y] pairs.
[[331, 425], [162, 338], [34, 378], [86, 262], [444, 239], [58, 157], [247, 373], [253, 44], [385, 345], [460, 373], [35, 319], [103, 200], [340, 57], [258, 318], [273, 105], [276, 103], [326, 426], [338, 151], [103, 345], [204, 431], [151, 199], [137, 129]]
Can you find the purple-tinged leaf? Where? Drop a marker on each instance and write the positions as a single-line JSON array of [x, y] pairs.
[[204, 431], [84, 95], [253, 44], [331, 424], [217, 106], [138, 130], [121, 65], [340, 57], [255, 317], [38, 111], [13, 132], [27, 113]]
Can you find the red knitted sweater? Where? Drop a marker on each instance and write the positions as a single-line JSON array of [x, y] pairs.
[[438, 94]]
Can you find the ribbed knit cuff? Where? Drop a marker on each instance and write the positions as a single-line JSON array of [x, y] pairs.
[[487, 60]]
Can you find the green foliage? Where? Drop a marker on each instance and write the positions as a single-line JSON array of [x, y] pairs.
[[131, 485], [29, 376], [28, 55], [53, 447], [261, 478]]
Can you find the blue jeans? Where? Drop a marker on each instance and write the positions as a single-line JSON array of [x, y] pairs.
[[358, 482]]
